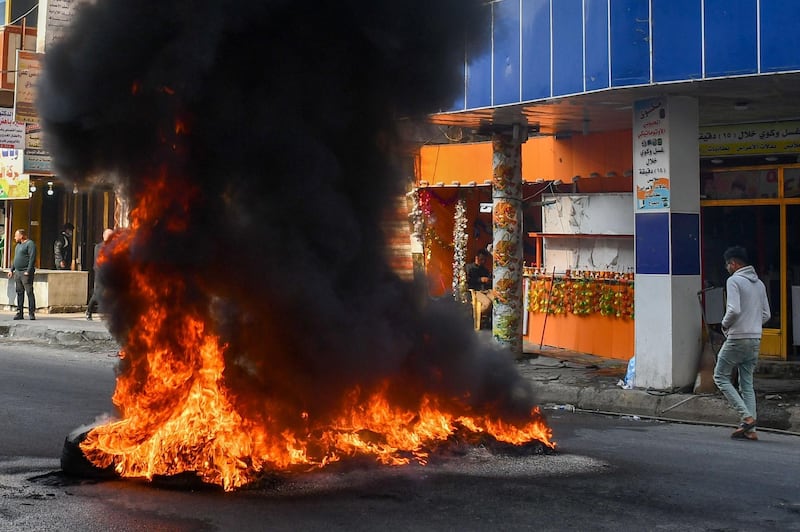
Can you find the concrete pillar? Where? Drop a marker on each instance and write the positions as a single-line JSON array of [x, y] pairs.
[[666, 170], [507, 236]]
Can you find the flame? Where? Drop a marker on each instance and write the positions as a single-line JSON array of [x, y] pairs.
[[178, 413]]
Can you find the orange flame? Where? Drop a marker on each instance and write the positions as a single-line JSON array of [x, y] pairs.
[[178, 414]]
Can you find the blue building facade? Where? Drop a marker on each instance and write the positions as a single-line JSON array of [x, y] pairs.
[[542, 49], [726, 75]]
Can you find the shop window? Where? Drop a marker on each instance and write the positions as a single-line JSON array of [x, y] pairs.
[[740, 184], [791, 182]]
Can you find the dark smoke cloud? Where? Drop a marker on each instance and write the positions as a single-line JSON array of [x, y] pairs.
[[290, 158]]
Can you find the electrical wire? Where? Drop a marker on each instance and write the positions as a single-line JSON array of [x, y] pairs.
[[22, 16]]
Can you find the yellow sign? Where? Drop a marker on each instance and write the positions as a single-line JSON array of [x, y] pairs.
[[750, 139]]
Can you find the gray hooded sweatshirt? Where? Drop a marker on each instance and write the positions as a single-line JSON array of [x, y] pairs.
[[747, 309]]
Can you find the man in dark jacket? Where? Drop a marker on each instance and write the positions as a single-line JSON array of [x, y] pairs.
[[62, 248], [23, 269], [480, 280]]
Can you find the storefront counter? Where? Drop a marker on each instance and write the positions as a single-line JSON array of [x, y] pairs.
[[55, 291], [604, 336], [588, 312]]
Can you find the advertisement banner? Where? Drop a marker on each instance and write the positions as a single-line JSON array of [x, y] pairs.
[[651, 155], [750, 139], [13, 183], [12, 133], [28, 70]]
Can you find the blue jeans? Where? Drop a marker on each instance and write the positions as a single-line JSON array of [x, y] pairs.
[[742, 354]]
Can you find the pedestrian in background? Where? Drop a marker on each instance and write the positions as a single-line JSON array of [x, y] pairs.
[[746, 312], [98, 285], [22, 269], [62, 248], [480, 280]]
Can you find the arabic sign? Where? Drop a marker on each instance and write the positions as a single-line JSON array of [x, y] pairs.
[[28, 70], [651, 154], [37, 160], [13, 183], [59, 15], [750, 139], [12, 133]]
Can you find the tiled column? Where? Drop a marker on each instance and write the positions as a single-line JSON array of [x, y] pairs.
[[507, 241], [667, 242]]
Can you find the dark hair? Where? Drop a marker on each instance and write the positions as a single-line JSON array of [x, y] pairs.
[[483, 253], [68, 226], [737, 253]]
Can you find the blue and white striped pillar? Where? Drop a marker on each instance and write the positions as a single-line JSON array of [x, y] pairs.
[[668, 326]]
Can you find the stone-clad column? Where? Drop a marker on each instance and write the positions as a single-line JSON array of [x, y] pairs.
[[507, 233]]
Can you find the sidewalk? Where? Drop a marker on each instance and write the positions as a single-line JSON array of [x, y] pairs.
[[562, 379]]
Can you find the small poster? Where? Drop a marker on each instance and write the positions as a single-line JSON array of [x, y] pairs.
[[651, 155], [13, 183]]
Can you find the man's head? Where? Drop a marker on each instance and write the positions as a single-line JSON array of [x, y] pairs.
[[107, 234], [482, 256], [20, 235], [69, 228], [735, 258]]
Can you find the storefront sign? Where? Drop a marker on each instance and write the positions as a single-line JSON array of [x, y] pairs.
[[13, 183], [12, 133], [651, 155], [750, 139], [28, 70], [37, 160]]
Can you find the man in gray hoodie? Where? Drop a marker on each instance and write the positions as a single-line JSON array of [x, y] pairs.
[[746, 311]]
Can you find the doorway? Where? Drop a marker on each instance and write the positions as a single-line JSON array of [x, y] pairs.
[[758, 208]]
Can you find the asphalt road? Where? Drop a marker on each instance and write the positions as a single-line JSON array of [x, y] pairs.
[[608, 474]]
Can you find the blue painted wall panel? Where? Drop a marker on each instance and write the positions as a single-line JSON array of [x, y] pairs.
[[652, 243], [535, 49], [630, 42], [677, 40], [567, 47], [730, 28], [506, 52], [780, 35], [685, 244], [479, 78], [596, 37]]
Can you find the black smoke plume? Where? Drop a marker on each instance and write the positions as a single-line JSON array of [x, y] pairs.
[[288, 158]]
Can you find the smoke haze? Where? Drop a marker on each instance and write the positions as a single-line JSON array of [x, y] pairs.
[[287, 157]]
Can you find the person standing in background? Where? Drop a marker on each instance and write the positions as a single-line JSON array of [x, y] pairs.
[[62, 248], [97, 293], [22, 269]]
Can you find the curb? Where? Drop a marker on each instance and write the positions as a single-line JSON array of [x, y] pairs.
[[711, 409], [67, 337]]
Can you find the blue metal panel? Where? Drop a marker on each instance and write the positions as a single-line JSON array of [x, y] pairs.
[[677, 40], [685, 244], [630, 42], [567, 47], [596, 36], [506, 52], [780, 38], [535, 49], [730, 28], [652, 242], [479, 78]]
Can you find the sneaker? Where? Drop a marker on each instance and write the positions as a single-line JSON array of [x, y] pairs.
[[31, 317], [88, 317], [18, 316]]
